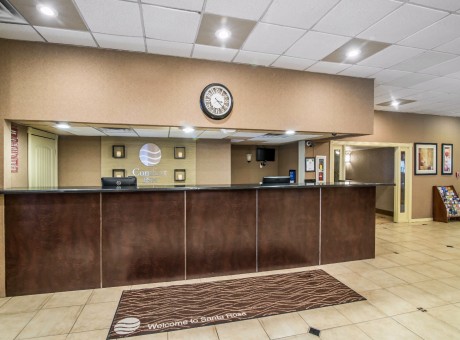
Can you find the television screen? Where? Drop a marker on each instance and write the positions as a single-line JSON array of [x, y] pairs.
[[263, 154], [119, 181]]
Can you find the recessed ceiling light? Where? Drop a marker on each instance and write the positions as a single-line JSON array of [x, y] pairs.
[[290, 132], [47, 10], [188, 129], [395, 104], [227, 131], [353, 53], [223, 34], [62, 126]]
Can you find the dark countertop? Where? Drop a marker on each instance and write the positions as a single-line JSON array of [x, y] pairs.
[[345, 184]]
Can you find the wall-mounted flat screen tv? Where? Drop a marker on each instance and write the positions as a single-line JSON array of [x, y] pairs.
[[265, 154]]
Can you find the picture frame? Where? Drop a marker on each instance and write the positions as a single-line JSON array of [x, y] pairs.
[[447, 156], [425, 158], [118, 173], [179, 152], [309, 164], [179, 175], [118, 151]]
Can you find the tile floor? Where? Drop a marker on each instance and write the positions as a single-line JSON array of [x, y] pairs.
[[412, 289]]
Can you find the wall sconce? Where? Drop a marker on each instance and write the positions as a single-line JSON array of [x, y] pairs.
[[179, 175], [249, 157], [118, 151], [179, 152], [348, 157]]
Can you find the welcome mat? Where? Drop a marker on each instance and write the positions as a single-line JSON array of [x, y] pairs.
[[165, 309]]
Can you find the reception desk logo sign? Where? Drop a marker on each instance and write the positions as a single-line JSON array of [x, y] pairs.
[[149, 155]]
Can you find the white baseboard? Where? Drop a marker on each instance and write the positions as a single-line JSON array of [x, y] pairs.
[[415, 220]]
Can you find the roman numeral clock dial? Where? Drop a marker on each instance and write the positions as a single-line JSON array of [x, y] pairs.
[[216, 101]]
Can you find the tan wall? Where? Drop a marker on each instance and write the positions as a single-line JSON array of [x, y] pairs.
[[56, 82], [410, 128], [79, 161], [20, 179], [213, 162], [374, 166], [250, 173], [2, 248], [288, 158]]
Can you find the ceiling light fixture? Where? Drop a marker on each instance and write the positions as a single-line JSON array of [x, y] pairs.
[[395, 104], [223, 34], [290, 132], [188, 129], [353, 53], [47, 10], [227, 131], [62, 126]]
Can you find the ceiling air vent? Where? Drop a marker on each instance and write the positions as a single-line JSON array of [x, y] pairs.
[[118, 132], [8, 14], [273, 136]]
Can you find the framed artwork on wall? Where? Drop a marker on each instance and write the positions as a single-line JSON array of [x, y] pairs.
[[309, 164], [447, 159], [425, 158]]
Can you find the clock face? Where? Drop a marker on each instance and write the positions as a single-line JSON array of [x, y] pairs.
[[216, 101]]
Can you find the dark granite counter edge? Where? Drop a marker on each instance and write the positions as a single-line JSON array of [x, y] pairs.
[[186, 188]]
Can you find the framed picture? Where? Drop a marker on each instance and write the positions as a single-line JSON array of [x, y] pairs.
[[425, 158], [118, 173], [447, 158], [309, 164], [179, 152]]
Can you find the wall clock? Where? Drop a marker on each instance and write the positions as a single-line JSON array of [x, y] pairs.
[[216, 101]]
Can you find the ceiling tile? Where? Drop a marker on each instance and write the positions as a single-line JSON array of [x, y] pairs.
[[439, 33], [390, 56], [423, 61], [448, 5], [162, 132], [170, 24], [366, 49], [255, 58], [112, 17], [360, 71], [316, 45], [169, 48], [120, 43], [84, 131], [386, 76], [243, 9], [454, 75], [437, 83], [351, 17], [450, 47], [243, 134], [411, 80], [60, 36], [191, 5], [326, 67], [19, 32], [213, 134], [214, 53], [293, 63], [444, 69], [175, 132], [406, 20], [297, 13], [274, 39]]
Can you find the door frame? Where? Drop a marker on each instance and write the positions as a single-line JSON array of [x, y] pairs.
[[398, 147]]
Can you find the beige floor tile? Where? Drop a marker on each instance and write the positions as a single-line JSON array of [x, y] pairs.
[[4, 300], [359, 311], [95, 316], [66, 299], [449, 314], [430, 271], [400, 259], [427, 327], [416, 296], [387, 302], [358, 266], [199, 333], [412, 245], [406, 274], [452, 281], [344, 332], [386, 329], [241, 330], [52, 337], [438, 254], [381, 262], [335, 269], [446, 266], [323, 318], [357, 282], [23, 304], [107, 294], [283, 325], [418, 256], [53, 321], [12, 324], [100, 334], [382, 278], [440, 290], [306, 336]]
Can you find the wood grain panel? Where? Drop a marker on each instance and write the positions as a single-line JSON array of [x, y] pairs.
[[288, 232], [221, 232], [142, 237], [347, 224], [52, 242]]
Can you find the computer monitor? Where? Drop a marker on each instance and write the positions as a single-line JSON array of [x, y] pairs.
[[130, 181]]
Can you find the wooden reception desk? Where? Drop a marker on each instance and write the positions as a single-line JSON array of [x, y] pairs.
[[82, 238]]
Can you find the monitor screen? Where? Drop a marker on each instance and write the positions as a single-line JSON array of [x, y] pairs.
[[264, 154], [130, 181]]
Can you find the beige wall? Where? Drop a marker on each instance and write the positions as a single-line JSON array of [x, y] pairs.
[[410, 128], [288, 158], [374, 166], [56, 82], [79, 161], [213, 162], [250, 173], [2, 248]]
